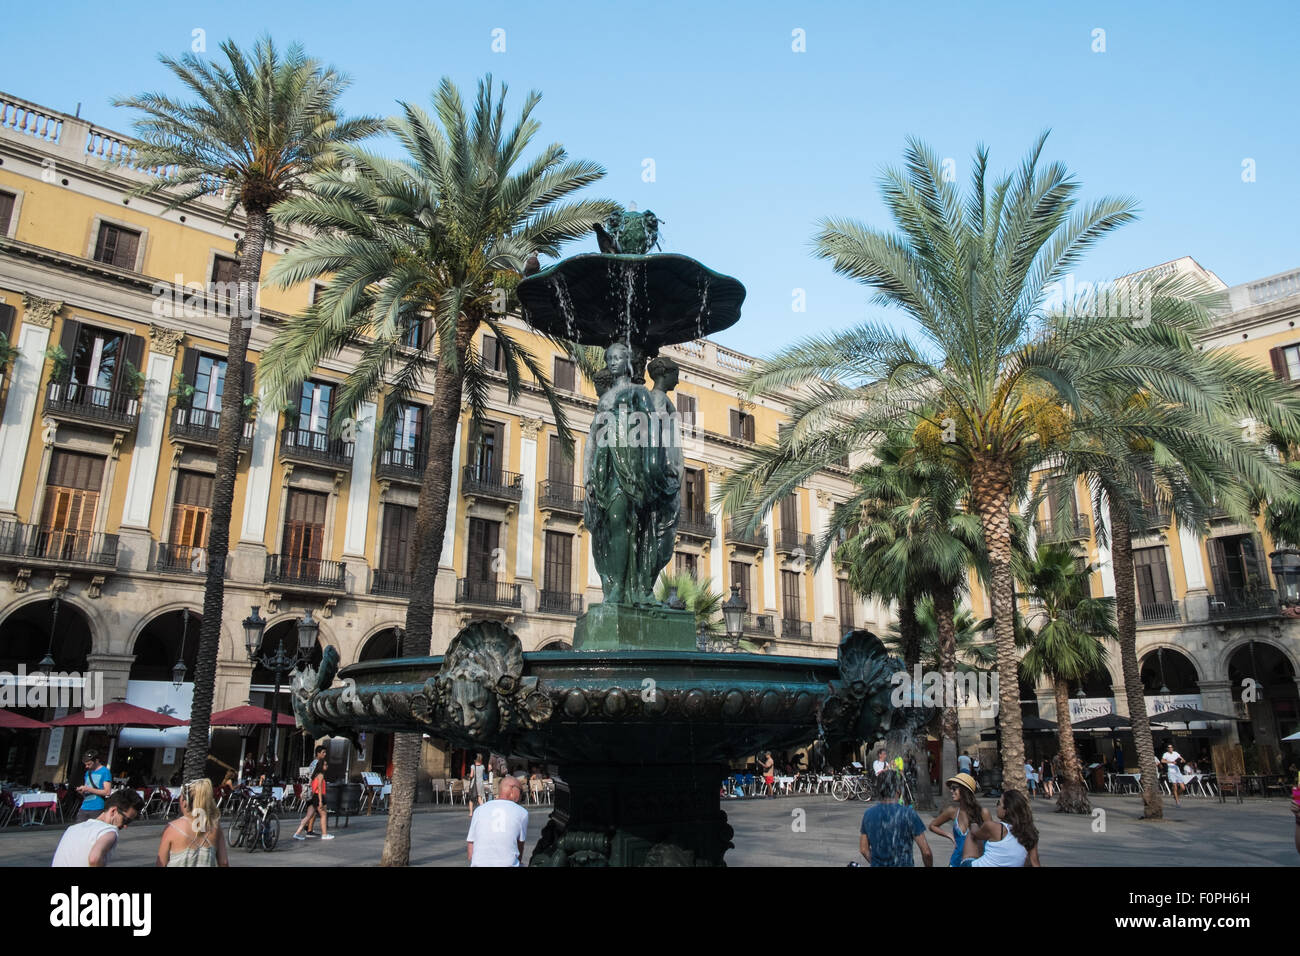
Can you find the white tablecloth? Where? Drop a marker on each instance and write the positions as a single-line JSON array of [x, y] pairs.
[[36, 799]]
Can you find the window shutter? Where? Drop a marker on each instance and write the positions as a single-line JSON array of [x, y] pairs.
[[190, 365], [68, 341], [748, 421], [7, 313], [735, 422], [1279, 364], [128, 245], [249, 370]]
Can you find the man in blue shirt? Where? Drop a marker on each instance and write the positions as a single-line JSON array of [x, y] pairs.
[[98, 785], [889, 828]]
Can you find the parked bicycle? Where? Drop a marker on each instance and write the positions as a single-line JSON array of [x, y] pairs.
[[853, 786], [256, 823]]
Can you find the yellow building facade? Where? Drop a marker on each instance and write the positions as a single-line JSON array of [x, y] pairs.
[[111, 404]]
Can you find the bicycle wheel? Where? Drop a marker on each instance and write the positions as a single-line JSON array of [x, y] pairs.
[[235, 831], [251, 836], [271, 832], [840, 790]]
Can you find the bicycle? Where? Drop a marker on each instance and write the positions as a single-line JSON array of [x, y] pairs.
[[852, 787], [256, 824]]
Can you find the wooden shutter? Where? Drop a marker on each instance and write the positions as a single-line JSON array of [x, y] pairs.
[[7, 313], [133, 352], [558, 572], [790, 513], [790, 598], [249, 370], [559, 467], [190, 365], [564, 377], [686, 408], [192, 510], [68, 338], [734, 419], [128, 244], [7, 201], [1218, 566], [483, 540], [747, 427], [491, 353], [846, 604], [304, 530], [1279, 363], [399, 526], [740, 575]]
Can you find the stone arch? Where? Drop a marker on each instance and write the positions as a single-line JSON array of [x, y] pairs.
[[369, 648], [158, 641], [1230, 651], [1150, 655], [100, 632], [25, 634], [555, 643]]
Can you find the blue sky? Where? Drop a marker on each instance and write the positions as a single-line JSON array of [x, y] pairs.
[[753, 143]]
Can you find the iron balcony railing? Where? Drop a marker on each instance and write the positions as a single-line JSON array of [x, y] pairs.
[[1159, 613], [561, 496], [790, 541], [202, 425], [793, 628], [487, 593], [1156, 520], [292, 571], [1239, 605], [316, 448], [696, 524], [736, 535], [390, 583], [183, 559], [100, 406], [488, 483], [1076, 530], [32, 542], [401, 464], [760, 624], [559, 602]]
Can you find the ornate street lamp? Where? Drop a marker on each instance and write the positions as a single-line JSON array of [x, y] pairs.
[[178, 669], [1285, 565], [279, 663], [1160, 656], [47, 662], [733, 614]]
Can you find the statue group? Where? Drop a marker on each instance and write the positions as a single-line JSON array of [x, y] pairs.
[[633, 475]]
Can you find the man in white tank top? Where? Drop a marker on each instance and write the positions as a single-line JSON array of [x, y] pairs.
[[92, 842]]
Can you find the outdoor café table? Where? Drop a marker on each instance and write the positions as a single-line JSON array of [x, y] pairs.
[[29, 803], [1127, 780], [785, 784]]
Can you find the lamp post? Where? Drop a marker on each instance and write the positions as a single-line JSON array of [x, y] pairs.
[[47, 662], [279, 663], [733, 614], [178, 669]]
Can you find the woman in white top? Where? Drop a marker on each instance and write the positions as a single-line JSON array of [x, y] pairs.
[[1170, 759], [195, 837], [1010, 840]]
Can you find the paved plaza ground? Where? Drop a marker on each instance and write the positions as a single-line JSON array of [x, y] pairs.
[[1202, 833]]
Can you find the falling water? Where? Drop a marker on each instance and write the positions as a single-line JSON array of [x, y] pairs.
[[566, 306], [704, 305]]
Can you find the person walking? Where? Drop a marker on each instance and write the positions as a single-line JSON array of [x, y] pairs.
[[964, 811], [880, 764], [1171, 758], [317, 757], [767, 766], [317, 806], [499, 828], [1010, 840], [890, 828], [1045, 771], [964, 764], [477, 785], [92, 842], [195, 838], [96, 788]]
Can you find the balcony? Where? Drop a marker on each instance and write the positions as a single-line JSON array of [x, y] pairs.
[[311, 574], [790, 541], [561, 497], [397, 464], [200, 425], [696, 524], [760, 624], [737, 536], [487, 593], [793, 628], [315, 448], [1076, 530], [1257, 605], [1170, 613], [183, 559], [32, 544], [559, 602], [478, 482], [113, 408], [1156, 521], [390, 583]]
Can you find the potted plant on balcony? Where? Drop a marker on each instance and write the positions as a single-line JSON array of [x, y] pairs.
[[182, 390], [7, 353], [133, 383], [60, 366]]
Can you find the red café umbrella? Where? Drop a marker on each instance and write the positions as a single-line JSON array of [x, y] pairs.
[[246, 718], [113, 717], [11, 721]]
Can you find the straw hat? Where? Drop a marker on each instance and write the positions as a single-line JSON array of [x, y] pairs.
[[963, 780]]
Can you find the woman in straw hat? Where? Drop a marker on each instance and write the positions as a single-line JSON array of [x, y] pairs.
[[964, 811]]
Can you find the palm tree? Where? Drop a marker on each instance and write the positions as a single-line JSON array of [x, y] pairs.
[[698, 596], [972, 650], [257, 132], [439, 239], [975, 274], [1065, 628]]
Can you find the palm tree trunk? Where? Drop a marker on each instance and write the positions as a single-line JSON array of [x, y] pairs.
[[944, 611], [430, 525], [243, 316], [908, 631], [1121, 555], [991, 500], [1074, 795]]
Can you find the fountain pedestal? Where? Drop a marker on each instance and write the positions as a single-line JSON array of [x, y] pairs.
[[613, 627], [629, 815]]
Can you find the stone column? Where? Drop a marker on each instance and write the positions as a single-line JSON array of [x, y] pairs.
[[116, 669], [445, 588], [23, 392], [824, 592], [1196, 602], [1220, 697], [528, 429], [717, 475], [250, 552], [358, 514], [770, 598], [1103, 557], [143, 477]]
